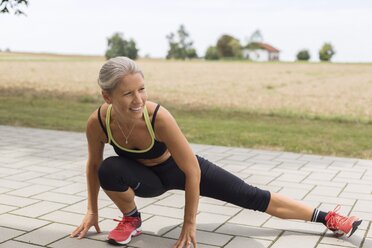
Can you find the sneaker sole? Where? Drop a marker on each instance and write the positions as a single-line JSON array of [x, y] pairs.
[[355, 226], [135, 233]]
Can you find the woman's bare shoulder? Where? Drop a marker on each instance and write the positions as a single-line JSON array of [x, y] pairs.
[[93, 126]]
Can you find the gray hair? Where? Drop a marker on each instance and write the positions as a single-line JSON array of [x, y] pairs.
[[114, 70]]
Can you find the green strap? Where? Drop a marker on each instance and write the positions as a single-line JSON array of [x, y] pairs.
[[149, 128]]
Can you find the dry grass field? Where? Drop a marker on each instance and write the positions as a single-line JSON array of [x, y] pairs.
[[321, 89]]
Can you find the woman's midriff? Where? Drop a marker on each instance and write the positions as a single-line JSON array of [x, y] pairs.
[[155, 161]]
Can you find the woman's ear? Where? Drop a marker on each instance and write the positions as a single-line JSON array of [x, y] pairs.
[[106, 96]]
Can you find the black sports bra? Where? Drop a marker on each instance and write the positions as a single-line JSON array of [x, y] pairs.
[[155, 150]]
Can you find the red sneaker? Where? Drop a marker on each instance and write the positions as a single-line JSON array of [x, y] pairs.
[[123, 232], [341, 225]]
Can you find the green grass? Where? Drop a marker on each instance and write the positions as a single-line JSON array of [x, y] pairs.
[[216, 127]]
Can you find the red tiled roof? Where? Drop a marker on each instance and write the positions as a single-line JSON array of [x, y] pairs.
[[267, 47]]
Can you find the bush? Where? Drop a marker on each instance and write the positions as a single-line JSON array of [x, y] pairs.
[[303, 55], [326, 52], [212, 53]]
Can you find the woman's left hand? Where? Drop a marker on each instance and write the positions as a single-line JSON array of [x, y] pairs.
[[187, 236]]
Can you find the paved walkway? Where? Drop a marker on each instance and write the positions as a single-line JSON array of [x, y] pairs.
[[43, 197]]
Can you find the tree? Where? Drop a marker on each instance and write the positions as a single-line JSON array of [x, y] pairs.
[[118, 46], [212, 53], [229, 47], [12, 5], [326, 52], [303, 55], [256, 37], [180, 48]]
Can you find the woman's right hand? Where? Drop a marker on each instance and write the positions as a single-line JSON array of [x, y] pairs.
[[90, 219]]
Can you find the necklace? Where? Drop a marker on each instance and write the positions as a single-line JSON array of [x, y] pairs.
[[130, 132]]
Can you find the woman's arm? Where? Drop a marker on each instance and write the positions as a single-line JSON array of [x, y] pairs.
[[168, 132], [95, 155]]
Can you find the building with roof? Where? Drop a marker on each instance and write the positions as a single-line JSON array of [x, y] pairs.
[[259, 51]]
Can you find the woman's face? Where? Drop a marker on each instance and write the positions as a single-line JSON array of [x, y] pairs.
[[129, 96]]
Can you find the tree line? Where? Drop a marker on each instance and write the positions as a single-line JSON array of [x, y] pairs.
[[181, 47], [180, 43]]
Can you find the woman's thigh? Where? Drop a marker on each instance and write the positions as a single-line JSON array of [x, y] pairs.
[[217, 183], [223, 185], [118, 174]]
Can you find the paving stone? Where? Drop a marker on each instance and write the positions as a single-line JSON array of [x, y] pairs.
[[328, 199], [30, 190], [64, 217], [71, 188], [249, 231], [5, 208], [57, 197], [21, 223], [68, 175], [369, 234], [209, 238], [145, 241], [259, 179], [49, 182], [292, 176], [26, 176], [262, 167], [224, 210], [76, 243], [47, 234], [303, 185], [295, 226], [43, 169], [209, 222], [16, 200], [295, 240], [211, 201], [12, 184], [326, 175], [365, 216], [326, 191], [351, 174], [164, 211], [358, 188], [9, 171], [159, 225], [367, 243], [176, 201], [353, 241], [38, 209], [6, 234], [15, 244], [250, 218], [239, 242], [294, 193], [144, 202], [81, 207], [324, 183], [363, 206]]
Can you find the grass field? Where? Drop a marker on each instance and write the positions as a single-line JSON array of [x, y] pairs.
[[304, 107]]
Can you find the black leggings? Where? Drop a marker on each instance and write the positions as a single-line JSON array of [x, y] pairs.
[[119, 173]]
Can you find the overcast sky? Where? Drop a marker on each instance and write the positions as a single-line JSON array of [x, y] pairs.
[[82, 26]]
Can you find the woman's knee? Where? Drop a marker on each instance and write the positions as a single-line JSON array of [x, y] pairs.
[[108, 167], [109, 173]]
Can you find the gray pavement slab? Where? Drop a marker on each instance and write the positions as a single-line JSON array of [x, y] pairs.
[[43, 197]]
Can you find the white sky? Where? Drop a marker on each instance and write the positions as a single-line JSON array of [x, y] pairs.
[[82, 26]]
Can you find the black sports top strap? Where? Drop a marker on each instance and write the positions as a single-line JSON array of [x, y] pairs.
[[100, 121], [154, 116]]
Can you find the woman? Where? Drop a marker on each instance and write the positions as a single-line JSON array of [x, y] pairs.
[[154, 156]]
